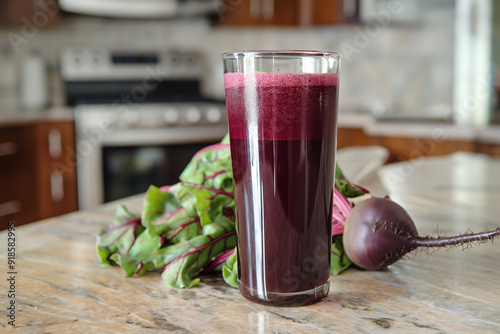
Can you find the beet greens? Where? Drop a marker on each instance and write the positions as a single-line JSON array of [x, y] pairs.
[[182, 228], [189, 228]]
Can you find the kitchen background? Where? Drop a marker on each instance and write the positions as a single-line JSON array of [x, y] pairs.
[[411, 69], [400, 62]]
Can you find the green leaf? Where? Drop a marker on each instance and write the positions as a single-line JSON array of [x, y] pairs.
[[230, 270], [339, 260], [211, 167], [118, 237], [210, 202], [347, 191], [183, 225], [217, 238], [338, 172], [342, 184], [225, 140], [140, 258], [163, 215]]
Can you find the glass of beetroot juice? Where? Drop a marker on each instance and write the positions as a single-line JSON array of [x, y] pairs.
[[282, 114]]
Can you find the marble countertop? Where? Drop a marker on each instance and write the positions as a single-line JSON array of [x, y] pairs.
[[60, 289]]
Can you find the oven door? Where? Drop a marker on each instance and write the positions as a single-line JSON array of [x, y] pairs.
[[116, 159]]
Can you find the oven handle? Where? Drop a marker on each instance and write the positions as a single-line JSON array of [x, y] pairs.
[[162, 136]]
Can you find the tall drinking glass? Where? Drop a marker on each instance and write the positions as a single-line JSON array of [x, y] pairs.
[[282, 113]]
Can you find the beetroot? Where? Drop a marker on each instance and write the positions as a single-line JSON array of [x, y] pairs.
[[379, 232]]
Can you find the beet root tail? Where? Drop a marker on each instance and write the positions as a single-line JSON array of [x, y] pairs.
[[466, 240]]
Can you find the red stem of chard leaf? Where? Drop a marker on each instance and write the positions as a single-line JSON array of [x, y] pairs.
[[111, 228], [340, 210], [354, 186], [166, 218], [165, 188], [213, 175], [215, 190], [337, 229], [179, 228], [337, 215], [218, 261], [341, 202], [198, 249], [134, 223], [211, 147]]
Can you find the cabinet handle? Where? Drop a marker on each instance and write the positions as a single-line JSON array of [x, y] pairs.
[[349, 9], [56, 186], [9, 208], [268, 9], [8, 148], [255, 12], [305, 12], [55, 147]]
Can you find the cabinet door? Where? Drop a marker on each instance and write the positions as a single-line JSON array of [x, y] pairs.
[[56, 168], [326, 12], [258, 12], [286, 12], [17, 176]]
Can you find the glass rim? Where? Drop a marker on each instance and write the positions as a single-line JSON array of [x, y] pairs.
[[281, 53]]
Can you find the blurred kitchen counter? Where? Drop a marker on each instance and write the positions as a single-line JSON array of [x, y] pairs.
[[439, 131], [60, 289]]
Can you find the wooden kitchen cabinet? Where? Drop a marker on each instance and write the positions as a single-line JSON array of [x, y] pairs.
[[37, 171], [493, 150], [17, 177], [282, 12], [56, 168], [29, 14]]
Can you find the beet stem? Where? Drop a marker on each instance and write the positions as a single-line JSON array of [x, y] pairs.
[[464, 239]]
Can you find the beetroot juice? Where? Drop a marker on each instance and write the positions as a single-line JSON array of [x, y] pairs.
[[282, 129]]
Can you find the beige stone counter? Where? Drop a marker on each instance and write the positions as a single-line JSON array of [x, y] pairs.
[[59, 289]]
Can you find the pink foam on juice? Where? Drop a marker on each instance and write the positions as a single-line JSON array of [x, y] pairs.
[[232, 80], [281, 106]]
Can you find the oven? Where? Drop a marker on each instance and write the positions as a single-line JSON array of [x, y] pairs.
[[139, 119]]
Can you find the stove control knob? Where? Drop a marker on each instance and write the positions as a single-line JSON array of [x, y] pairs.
[[171, 116], [193, 115], [213, 115]]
